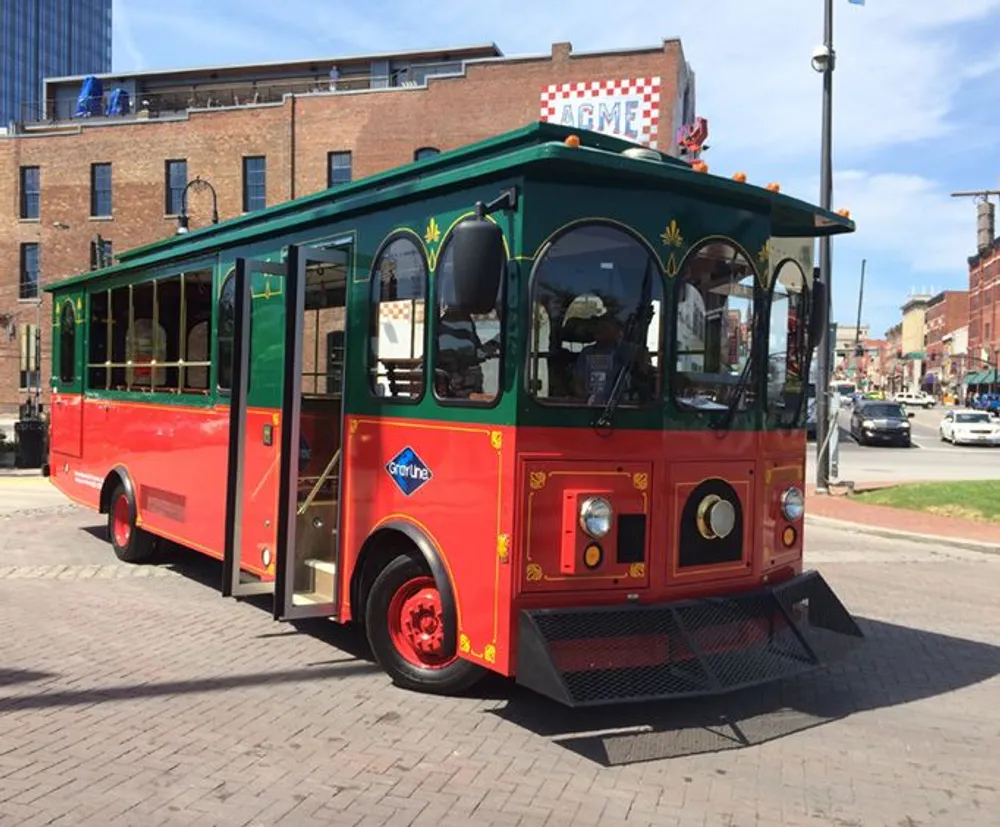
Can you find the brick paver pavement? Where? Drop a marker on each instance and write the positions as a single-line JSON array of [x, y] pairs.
[[841, 507], [139, 696]]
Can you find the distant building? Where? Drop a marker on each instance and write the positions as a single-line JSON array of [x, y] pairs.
[[956, 368], [946, 312], [847, 337], [984, 319], [914, 340], [48, 38]]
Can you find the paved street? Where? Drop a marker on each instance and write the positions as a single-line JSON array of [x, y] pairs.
[[139, 696], [928, 459]]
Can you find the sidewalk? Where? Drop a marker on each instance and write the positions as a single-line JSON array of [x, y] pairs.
[[20, 472], [844, 511]]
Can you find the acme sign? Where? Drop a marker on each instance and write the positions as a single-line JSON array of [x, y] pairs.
[[628, 108]]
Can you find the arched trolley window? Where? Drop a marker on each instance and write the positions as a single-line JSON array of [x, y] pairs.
[[596, 299], [787, 342], [396, 361], [713, 329], [467, 346], [67, 344]]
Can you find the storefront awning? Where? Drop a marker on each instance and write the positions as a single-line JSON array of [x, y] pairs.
[[982, 377]]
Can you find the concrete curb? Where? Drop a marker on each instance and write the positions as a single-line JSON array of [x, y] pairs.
[[911, 536]]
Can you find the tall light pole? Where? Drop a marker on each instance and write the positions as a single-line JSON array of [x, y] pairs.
[[823, 61]]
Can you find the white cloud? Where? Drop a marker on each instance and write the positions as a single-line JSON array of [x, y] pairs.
[[906, 217]]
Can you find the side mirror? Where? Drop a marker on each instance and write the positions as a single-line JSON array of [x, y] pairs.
[[817, 314], [910, 414], [478, 264]]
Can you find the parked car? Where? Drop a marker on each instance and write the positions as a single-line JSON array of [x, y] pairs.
[[967, 427], [917, 400], [881, 422]]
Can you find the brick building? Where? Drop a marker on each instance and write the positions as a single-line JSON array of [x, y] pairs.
[[946, 312], [75, 190], [984, 306]]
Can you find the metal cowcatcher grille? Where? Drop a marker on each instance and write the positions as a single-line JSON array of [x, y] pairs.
[[617, 654]]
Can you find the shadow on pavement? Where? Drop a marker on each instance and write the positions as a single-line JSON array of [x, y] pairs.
[[207, 572], [896, 665], [128, 692], [9, 677]]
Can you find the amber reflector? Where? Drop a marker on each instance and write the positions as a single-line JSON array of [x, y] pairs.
[[592, 555], [788, 537]]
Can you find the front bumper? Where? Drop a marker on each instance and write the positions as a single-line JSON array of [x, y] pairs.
[[975, 439], [622, 654]]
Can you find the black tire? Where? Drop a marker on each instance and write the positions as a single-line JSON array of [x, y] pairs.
[[130, 543], [444, 678]]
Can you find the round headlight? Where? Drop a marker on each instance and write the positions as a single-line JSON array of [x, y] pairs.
[[595, 516], [793, 503]]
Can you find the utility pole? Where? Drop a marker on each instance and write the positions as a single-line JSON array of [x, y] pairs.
[[857, 330], [823, 61]]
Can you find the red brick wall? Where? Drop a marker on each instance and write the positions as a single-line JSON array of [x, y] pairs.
[[381, 128], [945, 314], [984, 293]]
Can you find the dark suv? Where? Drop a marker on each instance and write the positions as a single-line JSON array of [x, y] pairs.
[[882, 422]]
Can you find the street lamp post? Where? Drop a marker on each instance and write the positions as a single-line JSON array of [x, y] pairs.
[[198, 183], [823, 62]]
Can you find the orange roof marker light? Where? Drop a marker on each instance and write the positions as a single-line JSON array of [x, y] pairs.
[[844, 213], [740, 177], [699, 166], [774, 186], [572, 140]]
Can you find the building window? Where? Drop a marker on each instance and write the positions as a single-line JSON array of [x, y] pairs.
[[100, 190], [28, 283], [338, 168], [100, 253], [175, 179], [254, 183], [31, 192], [426, 152], [399, 282], [29, 373]]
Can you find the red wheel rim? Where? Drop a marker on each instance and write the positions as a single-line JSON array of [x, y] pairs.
[[121, 524], [416, 624]]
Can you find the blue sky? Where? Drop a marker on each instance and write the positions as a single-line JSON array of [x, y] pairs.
[[916, 96]]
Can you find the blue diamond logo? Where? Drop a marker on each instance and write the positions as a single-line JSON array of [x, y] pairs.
[[408, 471]]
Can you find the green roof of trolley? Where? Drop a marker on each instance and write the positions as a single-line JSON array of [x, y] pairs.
[[532, 145]]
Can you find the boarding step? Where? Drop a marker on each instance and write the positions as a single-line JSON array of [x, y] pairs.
[[322, 577]]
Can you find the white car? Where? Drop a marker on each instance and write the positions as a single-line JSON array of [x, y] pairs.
[[963, 427], [918, 400]]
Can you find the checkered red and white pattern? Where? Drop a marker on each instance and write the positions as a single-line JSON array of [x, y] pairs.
[[401, 310], [645, 91]]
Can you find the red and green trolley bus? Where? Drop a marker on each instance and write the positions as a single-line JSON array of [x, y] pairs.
[[534, 406]]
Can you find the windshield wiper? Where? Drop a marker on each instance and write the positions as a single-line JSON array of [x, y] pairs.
[[635, 333], [726, 421]]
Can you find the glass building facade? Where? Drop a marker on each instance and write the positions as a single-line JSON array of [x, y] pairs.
[[48, 38]]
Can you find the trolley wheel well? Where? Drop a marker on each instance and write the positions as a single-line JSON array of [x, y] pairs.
[[115, 477], [400, 539]]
